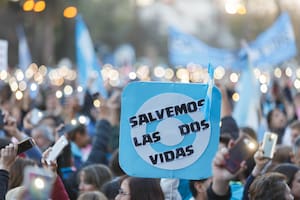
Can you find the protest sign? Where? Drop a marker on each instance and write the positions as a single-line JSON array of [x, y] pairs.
[[165, 129]]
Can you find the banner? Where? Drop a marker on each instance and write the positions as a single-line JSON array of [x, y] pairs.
[[185, 49], [275, 45], [88, 67], [24, 52], [3, 54], [165, 131]]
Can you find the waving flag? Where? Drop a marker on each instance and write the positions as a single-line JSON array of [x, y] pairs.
[[24, 52], [88, 66]]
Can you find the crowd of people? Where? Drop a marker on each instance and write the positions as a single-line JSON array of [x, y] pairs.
[[88, 167]]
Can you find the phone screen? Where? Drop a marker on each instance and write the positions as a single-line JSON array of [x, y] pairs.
[[244, 148], [269, 144], [25, 145]]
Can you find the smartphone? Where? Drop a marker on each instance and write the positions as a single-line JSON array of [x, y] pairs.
[[38, 182], [36, 116], [57, 148], [244, 148], [269, 144], [25, 145]]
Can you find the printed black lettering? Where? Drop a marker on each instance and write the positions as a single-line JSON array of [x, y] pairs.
[[169, 156], [180, 109], [192, 106], [180, 153], [189, 150], [156, 137], [136, 142], [133, 121], [195, 127], [160, 113], [151, 118], [170, 111], [154, 159], [204, 124], [201, 102], [143, 119], [147, 139], [184, 129]]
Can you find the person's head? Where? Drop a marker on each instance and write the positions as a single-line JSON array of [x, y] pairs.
[[111, 188], [228, 131], [79, 136], [43, 136], [92, 195], [271, 186], [133, 188], [17, 172], [198, 188], [114, 164], [292, 173], [276, 119], [92, 177], [295, 130], [296, 151]]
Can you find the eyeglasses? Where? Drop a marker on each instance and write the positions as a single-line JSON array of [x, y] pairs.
[[122, 193]]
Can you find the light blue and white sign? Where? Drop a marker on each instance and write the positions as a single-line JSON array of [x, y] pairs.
[[165, 132]]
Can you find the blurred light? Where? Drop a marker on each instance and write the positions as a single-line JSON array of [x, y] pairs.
[[241, 9], [113, 75], [22, 86], [28, 5], [277, 72], [74, 122], [43, 70], [298, 73], [33, 67], [251, 145], [38, 78], [82, 119], [288, 72], [97, 103], [263, 79], [70, 12], [19, 75], [58, 94], [169, 73], [143, 72], [235, 97], [115, 83], [68, 90], [58, 82], [143, 3], [159, 72], [79, 89], [132, 75], [29, 73], [33, 87], [297, 84], [3, 75], [39, 183], [19, 95], [231, 7], [256, 73], [39, 6], [63, 71], [219, 72], [13, 86], [71, 75], [234, 77], [196, 76], [264, 88], [182, 73]]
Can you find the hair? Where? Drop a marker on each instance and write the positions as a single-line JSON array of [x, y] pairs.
[[46, 131], [144, 188], [114, 164], [282, 155], [111, 188], [16, 174], [96, 174], [249, 131], [296, 145], [81, 129], [192, 187], [271, 186], [92, 195], [289, 170]]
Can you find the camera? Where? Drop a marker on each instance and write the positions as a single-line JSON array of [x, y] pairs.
[[57, 149], [244, 148]]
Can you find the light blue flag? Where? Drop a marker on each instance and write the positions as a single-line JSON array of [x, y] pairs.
[[88, 67], [275, 45], [24, 52], [185, 49]]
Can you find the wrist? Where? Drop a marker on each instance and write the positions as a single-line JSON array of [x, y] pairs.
[[3, 167]]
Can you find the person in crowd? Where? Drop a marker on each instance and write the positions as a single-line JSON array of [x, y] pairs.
[[198, 189], [296, 151], [43, 136], [79, 139], [133, 188], [92, 195], [8, 155], [111, 188], [294, 131], [114, 164], [277, 122], [17, 171], [271, 186], [92, 177]]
